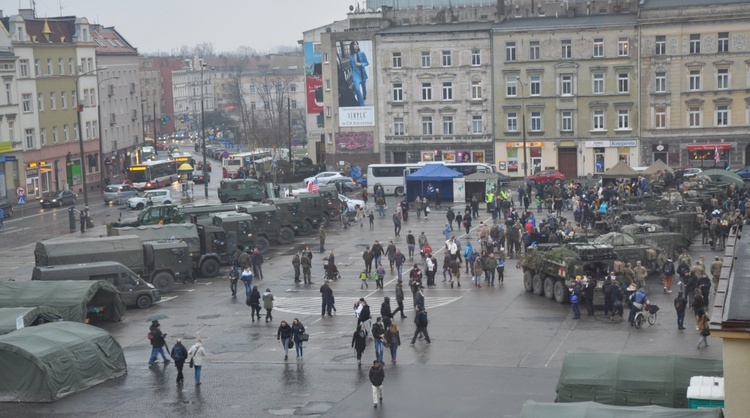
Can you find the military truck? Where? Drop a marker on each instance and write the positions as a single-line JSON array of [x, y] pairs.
[[671, 244], [258, 227], [327, 198], [240, 190], [171, 214], [158, 262], [207, 243], [299, 214], [549, 269]]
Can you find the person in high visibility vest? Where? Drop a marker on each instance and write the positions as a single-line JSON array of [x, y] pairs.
[[488, 199]]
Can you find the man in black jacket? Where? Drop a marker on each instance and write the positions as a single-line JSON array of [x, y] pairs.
[[327, 294], [385, 312], [377, 375], [421, 322], [179, 354], [680, 305], [157, 343], [399, 300]]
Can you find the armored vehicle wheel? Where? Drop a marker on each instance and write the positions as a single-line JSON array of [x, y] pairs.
[[286, 236], [163, 281], [549, 287], [306, 228], [561, 292], [527, 279], [143, 302], [210, 268], [538, 284], [262, 244]]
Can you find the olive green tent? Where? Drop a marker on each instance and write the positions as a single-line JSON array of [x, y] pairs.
[[29, 316], [621, 170], [657, 166], [724, 176], [50, 361], [631, 379], [533, 409], [73, 299]]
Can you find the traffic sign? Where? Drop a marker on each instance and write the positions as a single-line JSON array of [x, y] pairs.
[[21, 200], [20, 191]]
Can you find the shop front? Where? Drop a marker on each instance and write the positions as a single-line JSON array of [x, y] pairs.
[[709, 155], [451, 156], [599, 156], [511, 158]]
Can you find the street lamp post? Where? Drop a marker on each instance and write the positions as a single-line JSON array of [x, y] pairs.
[[523, 122], [203, 131], [101, 140]]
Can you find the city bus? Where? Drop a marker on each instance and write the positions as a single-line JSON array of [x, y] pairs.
[[152, 174], [393, 176]]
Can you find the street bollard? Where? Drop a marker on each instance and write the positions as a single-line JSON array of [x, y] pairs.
[[72, 218]]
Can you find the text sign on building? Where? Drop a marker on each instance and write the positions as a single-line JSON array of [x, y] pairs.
[[356, 116], [520, 145], [611, 144]]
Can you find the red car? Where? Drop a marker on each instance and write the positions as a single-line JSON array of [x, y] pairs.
[[547, 176]]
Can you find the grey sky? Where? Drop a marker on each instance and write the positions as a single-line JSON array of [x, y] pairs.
[[165, 25]]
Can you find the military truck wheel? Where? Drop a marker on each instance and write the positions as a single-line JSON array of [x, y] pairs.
[[143, 302], [399, 191], [163, 281], [262, 244], [527, 279], [210, 268], [549, 287], [538, 284], [561, 292], [306, 228], [286, 236]]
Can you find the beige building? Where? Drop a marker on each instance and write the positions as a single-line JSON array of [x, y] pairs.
[[695, 75], [11, 151], [573, 80]]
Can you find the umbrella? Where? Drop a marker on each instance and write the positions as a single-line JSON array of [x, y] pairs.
[[156, 317]]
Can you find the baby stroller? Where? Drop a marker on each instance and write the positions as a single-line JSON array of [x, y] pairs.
[[332, 273]]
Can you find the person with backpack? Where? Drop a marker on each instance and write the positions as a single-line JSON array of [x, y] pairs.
[[421, 321], [179, 355], [157, 343], [668, 269]]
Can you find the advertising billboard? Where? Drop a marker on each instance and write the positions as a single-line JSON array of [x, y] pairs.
[[354, 142], [354, 82], [313, 78]]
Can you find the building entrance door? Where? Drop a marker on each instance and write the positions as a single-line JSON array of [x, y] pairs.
[[567, 162]]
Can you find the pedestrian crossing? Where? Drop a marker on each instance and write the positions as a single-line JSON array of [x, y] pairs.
[[312, 305]]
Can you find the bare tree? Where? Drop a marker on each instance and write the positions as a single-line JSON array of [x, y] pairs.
[[204, 49], [270, 116], [237, 98]]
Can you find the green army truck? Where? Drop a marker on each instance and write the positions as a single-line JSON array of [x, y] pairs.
[[326, 199], [549, 270], [298, 214], [207, 243], [172, 214], [258, 227], [241, 190], [158, 262]]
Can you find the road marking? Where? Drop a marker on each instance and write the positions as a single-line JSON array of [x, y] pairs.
[[165, 299], [312, 305], [183, 290]]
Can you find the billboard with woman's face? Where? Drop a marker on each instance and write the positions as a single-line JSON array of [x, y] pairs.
[[354, 82]]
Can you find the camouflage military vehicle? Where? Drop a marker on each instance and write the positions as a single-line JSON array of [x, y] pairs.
[[258, 227], [549, 270]]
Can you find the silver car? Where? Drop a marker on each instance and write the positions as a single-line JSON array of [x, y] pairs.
[[119, 193]]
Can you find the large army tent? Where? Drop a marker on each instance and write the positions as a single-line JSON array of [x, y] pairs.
[[50, 361], [533, 409], [71, 298], [631, 379], [621, 170], [440, 176], [30, 316], [657, 166]]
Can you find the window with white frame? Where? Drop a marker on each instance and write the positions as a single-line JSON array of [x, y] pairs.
[[26, 103], [23, 68], [660, 117], [566, 85], [598, 48], [8, 93], [695, 43], [396, 60], [293, 104], [37, 70], [566, 47], [723, 41], [722, 115], [293, 88], [511, 122], [88, 131], [447, 90], [447, 59], [76, 132], [253, 106], [398, 92], [29, 138], [623, 119], [52, 101], [325, 58], [623, 47], [426, 125], [328, 111], [447, 125], [71, 66], [476, 58], [427, 91], [598, 120], [66, 133], [598, 83], [95, 129], [567, 121], [328, 85], [426, 61], [623, 83], [55, 136], [535, 85], [398, 126], [476, 124], [510, 51], [49, 66], [722, 78], [660, 82], [40, 102], [694, 80], [11, 130], [660, 47], [694, 117], [42, 137], [61, 66], [536, 121], [476, 90], [534, 50], [511, 88]]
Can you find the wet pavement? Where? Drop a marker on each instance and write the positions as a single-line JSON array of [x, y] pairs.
[[492, 348]]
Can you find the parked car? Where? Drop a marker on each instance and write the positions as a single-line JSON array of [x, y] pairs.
[[7, 208], [119, 191], [199, 166], [149, 198], [744, 172], [547, 176], [691, 172], [353, 203], [63, 197], [362, 182], [200, 178], [324, 177]]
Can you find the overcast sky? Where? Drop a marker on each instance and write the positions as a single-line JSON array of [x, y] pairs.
[[165, 25]]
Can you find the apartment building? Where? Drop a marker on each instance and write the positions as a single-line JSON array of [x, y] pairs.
[[11, 150]]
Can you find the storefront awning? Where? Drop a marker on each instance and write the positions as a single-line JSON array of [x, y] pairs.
[[709, 147]]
